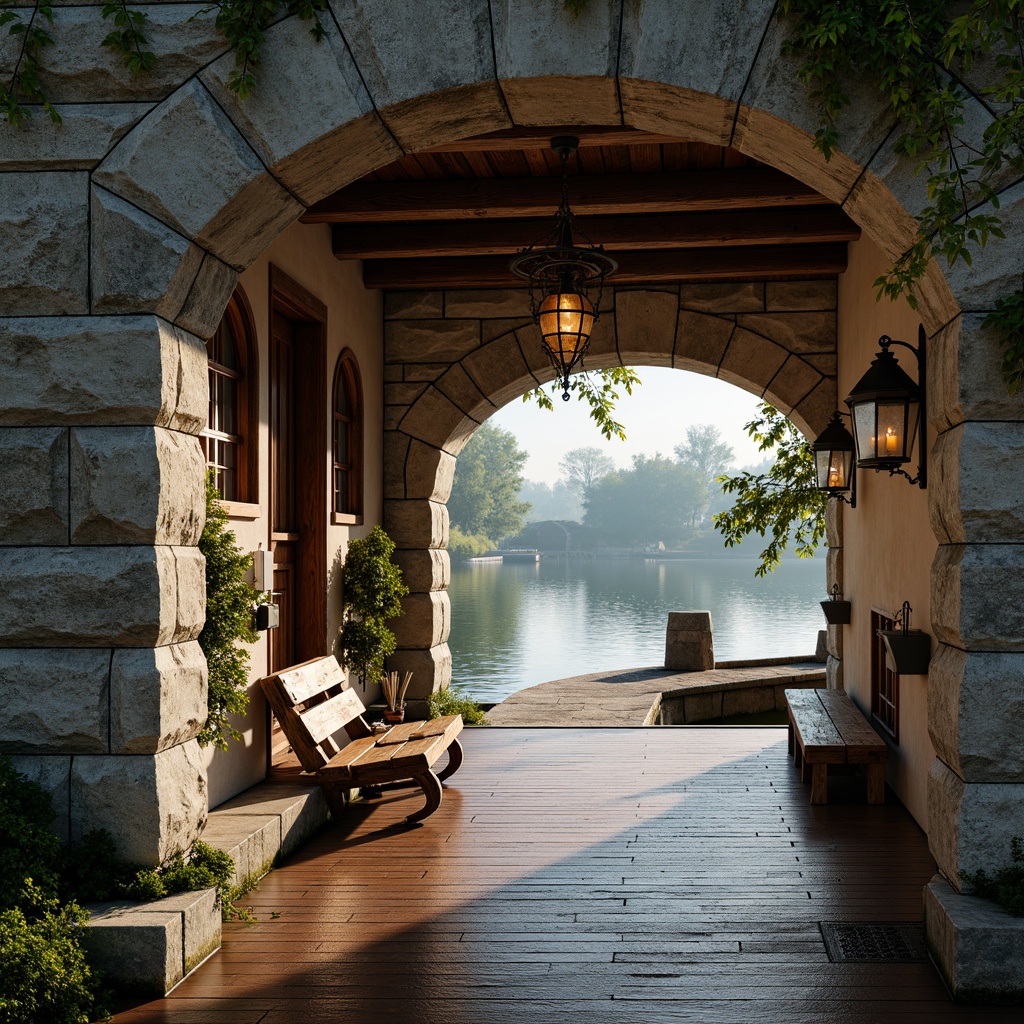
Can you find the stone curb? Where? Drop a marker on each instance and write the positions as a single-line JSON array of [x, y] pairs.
[[150, 947]]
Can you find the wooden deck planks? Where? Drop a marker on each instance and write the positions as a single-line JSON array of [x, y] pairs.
[[621, 875]]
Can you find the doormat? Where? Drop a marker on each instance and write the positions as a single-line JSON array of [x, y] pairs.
[[862, 943]]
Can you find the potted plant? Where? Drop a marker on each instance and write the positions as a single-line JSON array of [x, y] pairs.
[[907, 651], [394, 696], [837, 611], [372, 591]]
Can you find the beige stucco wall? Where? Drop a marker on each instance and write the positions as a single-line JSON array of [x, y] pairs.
[[354, 320], [888, 545]]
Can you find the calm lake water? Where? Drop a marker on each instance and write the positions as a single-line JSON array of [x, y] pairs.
[[517, 625]]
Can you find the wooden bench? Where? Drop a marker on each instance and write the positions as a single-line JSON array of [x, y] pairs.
[[314, 706], [826, 727]]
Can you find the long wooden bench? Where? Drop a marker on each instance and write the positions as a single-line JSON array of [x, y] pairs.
[[314, 706], [826, 727]]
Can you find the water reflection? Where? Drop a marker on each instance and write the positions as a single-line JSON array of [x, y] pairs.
[[517, 625]]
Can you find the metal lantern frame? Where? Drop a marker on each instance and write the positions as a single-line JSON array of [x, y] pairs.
[[835, 442], [886, 385], [566, 275]]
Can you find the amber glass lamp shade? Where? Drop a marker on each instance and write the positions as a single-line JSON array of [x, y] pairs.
[[566, 319]]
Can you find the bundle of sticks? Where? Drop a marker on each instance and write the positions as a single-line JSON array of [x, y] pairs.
[[393, 693]]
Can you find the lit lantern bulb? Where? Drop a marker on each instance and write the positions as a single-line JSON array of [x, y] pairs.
[[891, 441], [566, 320]]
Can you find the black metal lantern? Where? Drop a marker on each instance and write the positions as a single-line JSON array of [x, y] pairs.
[[834, 471], [889, 410], [564, 276]]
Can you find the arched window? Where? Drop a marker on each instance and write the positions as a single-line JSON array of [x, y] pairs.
[[348, 437], [231, 433]]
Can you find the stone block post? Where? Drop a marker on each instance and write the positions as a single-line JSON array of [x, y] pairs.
[[689, 645]]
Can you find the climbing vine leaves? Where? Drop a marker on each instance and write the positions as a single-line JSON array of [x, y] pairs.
[[26, 26]]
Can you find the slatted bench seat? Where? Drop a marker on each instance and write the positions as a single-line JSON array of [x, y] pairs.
[[314, 705], [826, 727]]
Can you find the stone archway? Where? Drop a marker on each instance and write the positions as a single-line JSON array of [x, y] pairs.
[[125, 232]]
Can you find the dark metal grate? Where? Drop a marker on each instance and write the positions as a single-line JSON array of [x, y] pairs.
[[873, 942]]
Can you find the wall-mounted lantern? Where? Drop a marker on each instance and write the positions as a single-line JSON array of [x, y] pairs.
[[889, 412], [566, 280], [907, 651], [834, 471]]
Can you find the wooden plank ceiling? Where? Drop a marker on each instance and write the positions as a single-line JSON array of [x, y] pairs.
[[665, 209]]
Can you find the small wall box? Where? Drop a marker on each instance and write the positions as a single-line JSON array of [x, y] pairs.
[[268, 616], [837, 613], [908, 653]]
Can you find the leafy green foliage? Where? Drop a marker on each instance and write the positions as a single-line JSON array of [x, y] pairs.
[[23, 85], [648, 503], [1006, 886], [709, 456], [917, 55], [372, 594], [600, 389], [453, 701], [45, 977], [244, 23], [781, 504], [466, 545], [229, 608], [488, 478], [129, 37], [583, 467]]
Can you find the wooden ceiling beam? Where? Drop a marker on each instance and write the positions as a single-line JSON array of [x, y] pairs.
[[495, 198], [747, 263], [784, 226]]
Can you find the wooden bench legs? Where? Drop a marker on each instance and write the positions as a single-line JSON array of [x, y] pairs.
[[455, 755], [819, 783], [431, 786], [876, 783]]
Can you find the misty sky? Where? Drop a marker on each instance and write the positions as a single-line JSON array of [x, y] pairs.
[[655, 417]]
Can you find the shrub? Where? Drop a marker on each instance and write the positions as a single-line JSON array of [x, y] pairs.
[[467, 545], [1006, 886], [28, 849], [453, 701], [45, 977], [229, 607]]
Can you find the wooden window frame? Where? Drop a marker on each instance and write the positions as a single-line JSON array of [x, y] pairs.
[[245, 503], [347, 376], [885, 684]]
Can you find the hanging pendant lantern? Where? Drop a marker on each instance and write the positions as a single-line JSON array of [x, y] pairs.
[[834, 471], [566, 282]]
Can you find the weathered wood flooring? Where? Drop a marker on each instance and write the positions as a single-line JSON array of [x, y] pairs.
[[621, 876]]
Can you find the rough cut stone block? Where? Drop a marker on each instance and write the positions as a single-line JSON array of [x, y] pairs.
[[425, 621], [429, 472], [54, 702], [424, 570], [406, 51], [188, 166], [33, 485], [338, 136], [431, 671], [970, 825], [812, 414], [792, 384], [833, 570], [86, 132], [44, 222], [499, 370], [543, 80], [834, 641], [137, 264], [723, 297], [429, 341], [505, 303], [459, 388], [253, 841], [53, 774], [752, 700], [701, 341], [968, 497], [437, 422], [689, 643], [798, 295], [751, 361], [416, 523], [974, 596], [100, 596], [413, 305], [154, 805], [136, 485], [975, 707], [670, 110], [702, 707], [645, 324], [977, 945], [965, 375], [300, 810], [144, 955], [157, 697], [208, 297], [201, 924], [420, 372], [834, 523], [396, 451], [74, 370], [77, 68], [879, 214], [834, 674], [798, 332]]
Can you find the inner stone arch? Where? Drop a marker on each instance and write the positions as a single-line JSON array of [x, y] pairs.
[[452, 359]]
